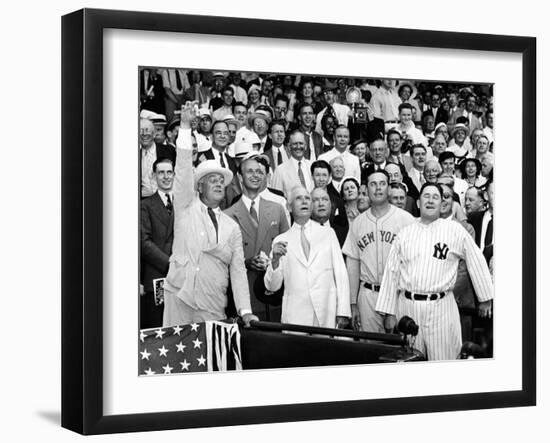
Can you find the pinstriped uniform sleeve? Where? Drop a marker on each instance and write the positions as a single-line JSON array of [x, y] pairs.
[[387, 298], [478, 269]]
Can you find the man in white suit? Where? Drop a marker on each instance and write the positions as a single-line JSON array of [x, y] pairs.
[[308, 259]]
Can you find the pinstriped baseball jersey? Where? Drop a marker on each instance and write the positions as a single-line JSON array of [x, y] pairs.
[[424, 259], [370, 239]]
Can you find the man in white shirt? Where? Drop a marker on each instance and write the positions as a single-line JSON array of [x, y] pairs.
[[338, 172], [274, 147], [296, 171], [260, 221], [385, 102], [407, 128], [308, 259], [342, 112], [416, 173], [175, 82], [341, 148]]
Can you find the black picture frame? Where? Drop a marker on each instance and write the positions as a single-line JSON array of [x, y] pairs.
[[82, 219]]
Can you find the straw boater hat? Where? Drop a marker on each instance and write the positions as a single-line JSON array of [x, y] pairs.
[[402, 83], [230, 118], [460, 127], [212, 167], [259, 113], [157, 119]]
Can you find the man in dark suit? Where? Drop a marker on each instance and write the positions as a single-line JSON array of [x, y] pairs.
[[157, 235], [314, 140], [149, 153], [439, 114], [371, 129], [260, 221], [218, 152], [274, 147], [482, 222], [321, 173]]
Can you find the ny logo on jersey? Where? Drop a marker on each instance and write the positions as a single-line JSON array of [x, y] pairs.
[[441, 251]]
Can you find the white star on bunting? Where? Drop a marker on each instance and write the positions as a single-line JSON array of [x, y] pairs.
[[180, 347], [167, 369], [194, 327], [145, 355], [163, 351], [197, 344], [177, 330], [160, 333], [149, 372], [201, 360], [185, 365], [142, 336]]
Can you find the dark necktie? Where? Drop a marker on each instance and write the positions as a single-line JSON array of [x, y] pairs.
[[253, 214], [214, 221], [279, 157], [489, 233], [178, 81], [301, 175], [169, 206], [221, 160], [308, 146]]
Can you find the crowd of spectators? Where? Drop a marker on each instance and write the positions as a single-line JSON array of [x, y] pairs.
[[318, 133]]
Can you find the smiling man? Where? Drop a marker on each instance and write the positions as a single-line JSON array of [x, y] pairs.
[[420, 274], [341, 148], [296, 171], [307, 258], [260, 221], [208, 247]]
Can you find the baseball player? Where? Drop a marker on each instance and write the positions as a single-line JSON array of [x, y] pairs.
[[367, 248], [421, 271]]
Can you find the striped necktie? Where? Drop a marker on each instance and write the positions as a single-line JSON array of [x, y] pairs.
[[253, 214], [301, 175], [304, 241]]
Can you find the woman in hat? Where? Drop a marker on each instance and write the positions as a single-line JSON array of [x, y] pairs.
[[254, 98], [471, 172]]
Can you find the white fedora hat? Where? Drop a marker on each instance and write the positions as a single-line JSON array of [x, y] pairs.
[[212, 167]]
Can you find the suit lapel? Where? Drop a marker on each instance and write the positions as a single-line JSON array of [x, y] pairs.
[[244, 219], [298, 251], [266, 217], [160, 210]]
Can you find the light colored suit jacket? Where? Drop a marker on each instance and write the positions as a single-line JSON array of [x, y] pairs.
[[201, 265], [316, 289], [286, 176]]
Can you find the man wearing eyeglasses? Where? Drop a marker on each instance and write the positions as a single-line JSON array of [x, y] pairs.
[[149, 152], [208, 248]]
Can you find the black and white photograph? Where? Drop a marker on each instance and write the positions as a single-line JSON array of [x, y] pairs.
[[294, 220]]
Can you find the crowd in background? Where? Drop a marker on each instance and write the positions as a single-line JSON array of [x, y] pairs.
[[316, 132]]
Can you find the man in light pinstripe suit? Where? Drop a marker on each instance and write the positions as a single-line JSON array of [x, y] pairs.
[[421, 272]]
